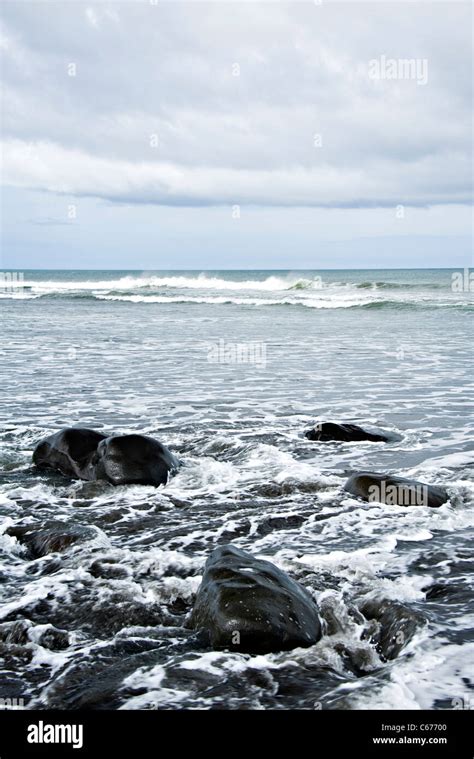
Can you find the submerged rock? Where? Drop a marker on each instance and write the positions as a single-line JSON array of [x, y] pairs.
[[70, 451], [247, 604], [393, 491], [329, 431], [15, 632], [108, 569], [395, 625], [53, 537], [120, 459], [22, 632], [52, 638]]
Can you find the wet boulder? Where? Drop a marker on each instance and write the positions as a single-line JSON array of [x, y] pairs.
[[394, 625], [119, 459], [109, 569], [23, 632], [51, 638], [325, 432], [52, 537], [249, 605], [135, 459], [15, 632], [394, 491], [69, 451]]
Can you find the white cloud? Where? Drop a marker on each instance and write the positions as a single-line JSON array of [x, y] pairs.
[[167, 69], [73, 172], [92, 17]]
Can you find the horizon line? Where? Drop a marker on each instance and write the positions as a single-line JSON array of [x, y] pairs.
[[293, 268]]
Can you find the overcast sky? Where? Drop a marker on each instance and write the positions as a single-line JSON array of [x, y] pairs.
[[236, 134]]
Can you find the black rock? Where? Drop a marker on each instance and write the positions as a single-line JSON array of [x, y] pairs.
[[22, 633], [108, 569], [52, 537], [134, 459], [385, 488], [15, 633], [70, 451], [247, 604], [395, 625], [88, 455], [54, 639], [346, 433], [268, 524]]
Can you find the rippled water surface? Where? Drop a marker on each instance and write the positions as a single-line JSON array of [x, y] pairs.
[[129, 351]]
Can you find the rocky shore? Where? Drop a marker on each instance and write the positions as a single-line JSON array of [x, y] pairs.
[[244, 603]]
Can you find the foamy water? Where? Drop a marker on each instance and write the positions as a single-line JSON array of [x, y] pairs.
[[130, 352], [321, 291]]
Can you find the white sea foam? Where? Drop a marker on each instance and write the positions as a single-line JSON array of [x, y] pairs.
[[434, 672], [313, 292], [220, 300], [199, 282]]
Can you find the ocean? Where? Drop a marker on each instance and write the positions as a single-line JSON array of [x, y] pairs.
[[228, 369]]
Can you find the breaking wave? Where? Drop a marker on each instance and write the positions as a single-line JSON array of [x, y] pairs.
[[243, 289]]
